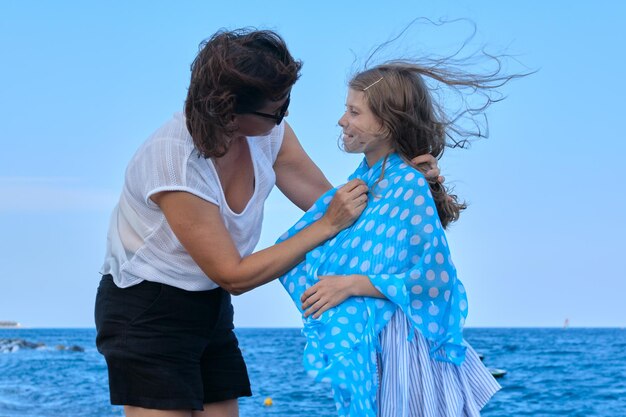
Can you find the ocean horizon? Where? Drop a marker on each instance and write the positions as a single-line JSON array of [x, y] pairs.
[[549, 371]]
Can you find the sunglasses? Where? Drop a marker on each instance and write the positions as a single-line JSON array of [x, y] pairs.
[[280, 114]]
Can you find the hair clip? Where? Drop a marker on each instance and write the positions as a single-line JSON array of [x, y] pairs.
[[375, 82]]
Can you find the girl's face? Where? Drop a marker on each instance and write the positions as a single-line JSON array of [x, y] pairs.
[[362, 131]]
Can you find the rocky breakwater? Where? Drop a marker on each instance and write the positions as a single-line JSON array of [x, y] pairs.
[[14, 345]]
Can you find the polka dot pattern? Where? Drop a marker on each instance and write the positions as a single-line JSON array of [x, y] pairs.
[[399, 244]]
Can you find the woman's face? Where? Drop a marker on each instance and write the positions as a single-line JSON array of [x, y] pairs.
[[362, 131], [262, 121]]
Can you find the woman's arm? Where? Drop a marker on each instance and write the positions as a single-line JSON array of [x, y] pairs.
[[302, 182], [199, 227], [297, 176]]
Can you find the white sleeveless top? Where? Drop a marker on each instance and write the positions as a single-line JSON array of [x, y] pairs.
[[141, 244]]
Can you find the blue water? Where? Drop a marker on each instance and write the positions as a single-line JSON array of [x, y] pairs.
[[573, 372]]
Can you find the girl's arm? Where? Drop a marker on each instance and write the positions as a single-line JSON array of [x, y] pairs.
[[333, 290], [199, 227]]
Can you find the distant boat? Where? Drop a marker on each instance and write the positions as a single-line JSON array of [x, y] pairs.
[[9, 324], [566, 324], [497, 373]]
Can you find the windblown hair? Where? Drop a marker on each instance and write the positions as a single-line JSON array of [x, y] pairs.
[[235, 72], [416, 123]]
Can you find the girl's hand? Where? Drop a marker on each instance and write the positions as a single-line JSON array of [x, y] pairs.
[[347, 205], [427, 164], [330, 291]]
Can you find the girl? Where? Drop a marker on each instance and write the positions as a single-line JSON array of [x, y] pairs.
[[382, 305]]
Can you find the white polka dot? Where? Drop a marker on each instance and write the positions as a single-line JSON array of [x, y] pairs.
[[415, 274], [351, 310], [383, 184], [330, 345], [343, 259], [435, 242], [301, 281], [405, 213], [415, 240], [419, 200], [433, 327], [292, 287], [421, 182], [345, 243], [327, 199], [463, 305], [370, 225], [409, 176], [416, 304], [343, 320], [415, 220], [389, 252], [401, 234], [332, 242], [433, 292], [335, 331], [446, 295], [408, 195], [300, 225], [428, 228], [355, 242], [378, 248], [433, 310], [417, 289], [444, 242], [381, 228], [461, 289], [378, 268], [385, 276], [396, 179], [365, 266], [344, 343], [392, 291], [390, 231], [402, 255], [354, 261], [451, 320], [398, 192], [318, 216], [379, 303], [430, 211], [387, 315], [384, 208], [367, 245], [418, 319], [444, 276], [427, 259], [439, 258], [316, 253], [430, 275]]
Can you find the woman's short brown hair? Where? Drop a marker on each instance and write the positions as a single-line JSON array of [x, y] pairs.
[[235, 72]]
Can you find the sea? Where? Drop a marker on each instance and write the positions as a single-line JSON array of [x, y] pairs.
[[549, 372]]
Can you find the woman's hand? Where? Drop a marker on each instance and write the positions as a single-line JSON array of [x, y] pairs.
[[427, 164], [330, 291], [347, 205]]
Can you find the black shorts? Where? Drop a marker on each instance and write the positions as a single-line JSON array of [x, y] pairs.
[[168, 348]]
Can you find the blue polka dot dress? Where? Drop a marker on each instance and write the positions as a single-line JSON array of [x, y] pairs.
[[399, 243]]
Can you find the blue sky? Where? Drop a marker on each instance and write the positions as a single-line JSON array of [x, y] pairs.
[[84, 83]]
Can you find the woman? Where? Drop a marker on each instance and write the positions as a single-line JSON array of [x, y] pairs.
[[181, 238], [382, 305]]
